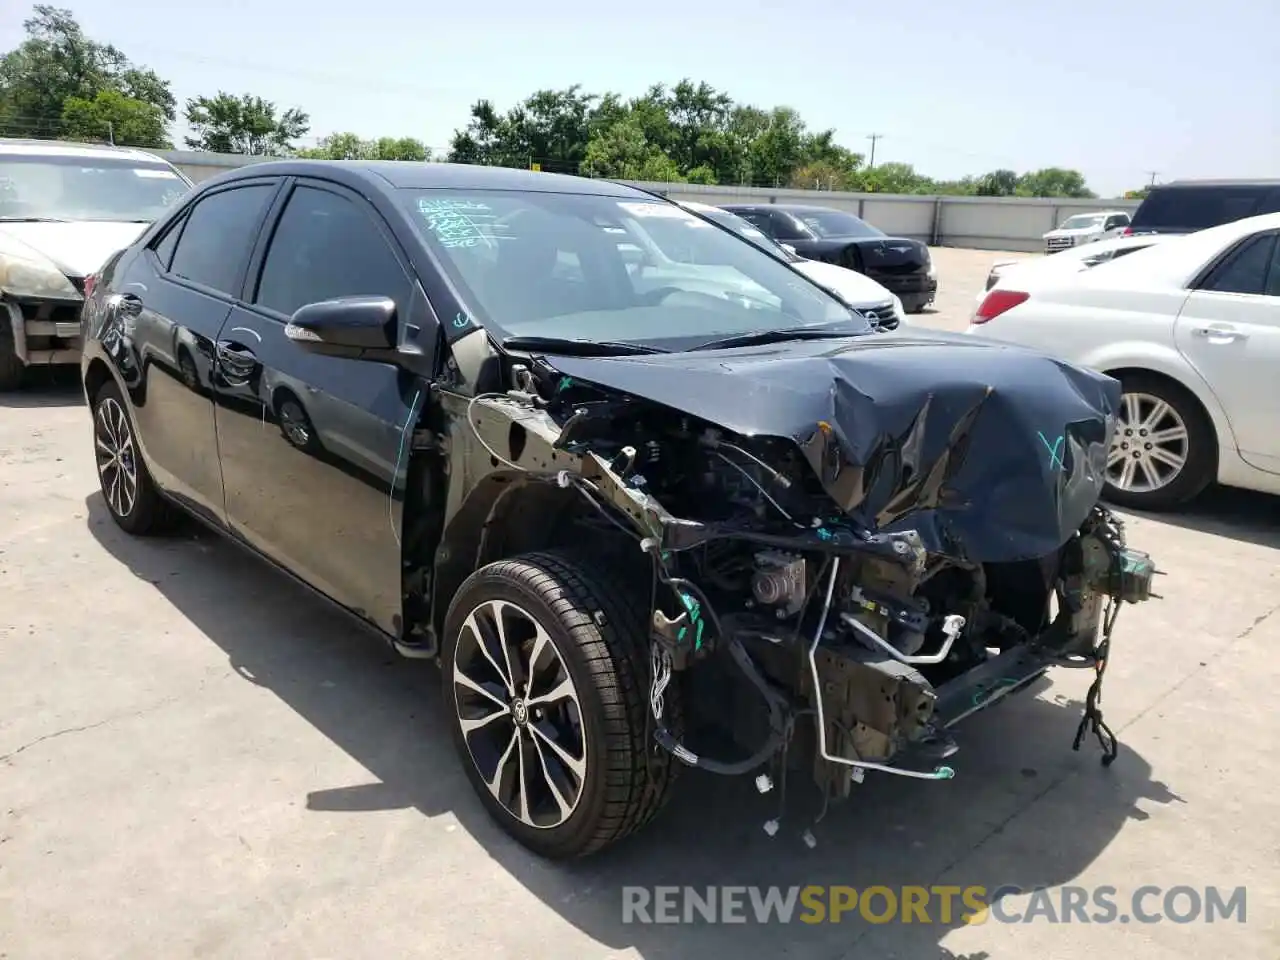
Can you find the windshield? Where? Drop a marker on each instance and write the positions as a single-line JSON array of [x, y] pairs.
[[835, 223], [602, 268], [86, 188], [1081, 222]]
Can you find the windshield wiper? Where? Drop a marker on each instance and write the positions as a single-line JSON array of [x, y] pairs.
[[579, 347], [758, 337]]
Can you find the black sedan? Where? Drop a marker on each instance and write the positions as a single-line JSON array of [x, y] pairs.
[[597, 494], [900, 265]]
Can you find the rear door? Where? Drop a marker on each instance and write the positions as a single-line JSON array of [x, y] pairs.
[[178, 292], [312, 453], [1229, 330]]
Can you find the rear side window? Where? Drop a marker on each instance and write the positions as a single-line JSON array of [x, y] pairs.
[[1197, 208], [220, 230], [1244, 270], [326, 247]]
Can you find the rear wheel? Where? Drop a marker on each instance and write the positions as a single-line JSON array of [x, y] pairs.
[[546, 677], [130, 494], [1164, 451], [11, 368]]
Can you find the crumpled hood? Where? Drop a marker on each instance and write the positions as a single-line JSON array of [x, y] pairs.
[[77, 248], [992, 452]]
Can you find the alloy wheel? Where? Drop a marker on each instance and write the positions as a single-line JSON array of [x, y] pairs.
[[295, 424], [1150, 446], [116, 456], [520, 715]]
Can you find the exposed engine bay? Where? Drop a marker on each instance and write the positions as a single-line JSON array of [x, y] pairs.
[[831, 580]]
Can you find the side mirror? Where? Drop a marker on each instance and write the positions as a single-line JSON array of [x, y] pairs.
[[633, 256], [353, 327], [789, 248]]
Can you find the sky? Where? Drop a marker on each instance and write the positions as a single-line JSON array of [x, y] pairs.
[[1117, 90]]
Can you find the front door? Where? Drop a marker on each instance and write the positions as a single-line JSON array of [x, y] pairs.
[[1229, 330], [314, 448]]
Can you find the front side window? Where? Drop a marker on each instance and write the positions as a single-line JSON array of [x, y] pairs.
[[220, 230], [326, 247], [837, 223], [1245, 270], [603, 268], [69, 187]]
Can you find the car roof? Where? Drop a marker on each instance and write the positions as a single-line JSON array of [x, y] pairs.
[[411, 175], [1178, 261], [1182, 184], [62, 148]]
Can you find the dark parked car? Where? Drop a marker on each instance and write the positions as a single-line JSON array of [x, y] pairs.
[[435, 394], [1185, 206], [900, 265]]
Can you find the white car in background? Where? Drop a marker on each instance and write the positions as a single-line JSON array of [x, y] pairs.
[[1075, 260], [857, 290], [1082, 228], [64, 209], [1191, 329]]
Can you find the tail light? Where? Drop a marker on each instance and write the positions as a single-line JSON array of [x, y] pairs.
[[1127, 231], [997, 302], [89, 283]]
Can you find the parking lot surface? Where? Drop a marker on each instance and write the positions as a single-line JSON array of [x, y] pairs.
[[199, 759]]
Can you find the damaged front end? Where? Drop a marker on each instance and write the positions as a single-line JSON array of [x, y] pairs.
[[884, 537]]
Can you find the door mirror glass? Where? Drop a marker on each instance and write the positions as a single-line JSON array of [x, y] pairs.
[[346, 327]]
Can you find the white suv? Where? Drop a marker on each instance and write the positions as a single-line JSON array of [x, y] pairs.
[[64, 209]]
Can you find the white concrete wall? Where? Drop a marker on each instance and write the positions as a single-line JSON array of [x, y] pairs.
[[985, 223]]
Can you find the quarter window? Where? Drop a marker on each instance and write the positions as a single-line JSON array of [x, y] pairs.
[[1246, 269], [220, 230], [326, 247]]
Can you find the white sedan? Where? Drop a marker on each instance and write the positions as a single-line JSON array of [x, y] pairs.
[[1191, 329]]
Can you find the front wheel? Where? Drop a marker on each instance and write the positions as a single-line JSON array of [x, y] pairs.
[[546, 678], [1164, 451]]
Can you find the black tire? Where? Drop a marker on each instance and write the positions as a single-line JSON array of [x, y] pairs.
[[1201, 464], [11, 368], [148, 513], [597, 624]]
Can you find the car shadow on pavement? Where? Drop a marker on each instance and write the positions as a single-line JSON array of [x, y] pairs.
[[1242, 515], [47, 387], [1023, 810]]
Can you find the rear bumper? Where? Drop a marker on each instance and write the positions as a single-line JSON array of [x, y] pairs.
[[915, 290]]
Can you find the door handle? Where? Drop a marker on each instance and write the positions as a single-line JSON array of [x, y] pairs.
[[1221, 334], [236, 351]]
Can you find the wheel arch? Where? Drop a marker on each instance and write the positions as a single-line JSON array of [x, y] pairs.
[[506, 515], [96, 374]]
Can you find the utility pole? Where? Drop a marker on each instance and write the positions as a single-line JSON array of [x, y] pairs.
[[1153, 177], [873, 137]]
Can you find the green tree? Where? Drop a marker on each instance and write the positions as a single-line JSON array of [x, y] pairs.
[[56, 64], [245, 124], [894, 178], [349, 146], [1054, 182], [622, 152], [111, 115], [997, 183], [1139, 194]]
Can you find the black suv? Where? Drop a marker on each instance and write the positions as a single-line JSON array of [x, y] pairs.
[[1186, 206]]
